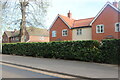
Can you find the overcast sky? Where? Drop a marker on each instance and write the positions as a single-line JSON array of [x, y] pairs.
[[79, 8]]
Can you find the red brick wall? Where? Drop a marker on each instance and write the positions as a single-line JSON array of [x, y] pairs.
[[108, 17], [58, 26]]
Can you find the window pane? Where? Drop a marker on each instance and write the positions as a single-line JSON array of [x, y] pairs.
[[117, 25], [53, 33], [80, 31], [64, 32], [101, 29], [98, 28], [77, 31]]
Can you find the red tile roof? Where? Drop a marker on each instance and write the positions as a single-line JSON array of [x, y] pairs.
[[82, 22], [77, 23], [69, 21]]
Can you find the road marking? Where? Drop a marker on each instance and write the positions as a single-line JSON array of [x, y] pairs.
[[38, 71]]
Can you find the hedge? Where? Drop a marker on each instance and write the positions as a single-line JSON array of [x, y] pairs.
[[110, 51], [90, 50]]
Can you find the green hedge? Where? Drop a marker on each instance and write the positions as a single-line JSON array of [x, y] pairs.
[[91, 51], [110, 51]]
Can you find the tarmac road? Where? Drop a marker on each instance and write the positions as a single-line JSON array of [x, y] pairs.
[[11, 71]]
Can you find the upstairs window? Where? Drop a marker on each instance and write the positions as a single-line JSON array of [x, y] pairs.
[[117, 27], [53, 33], [79, 31], [64, 32], [100, 29]]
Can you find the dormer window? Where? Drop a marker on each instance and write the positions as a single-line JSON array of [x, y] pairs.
[[117, 27]]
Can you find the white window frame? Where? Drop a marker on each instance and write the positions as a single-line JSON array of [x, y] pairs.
[[100, 28], [54, 33], [79, 31], [63, 32], [116, 30]]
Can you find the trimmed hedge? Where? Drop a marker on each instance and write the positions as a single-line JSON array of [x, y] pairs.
[[110, 51], [91, 50]]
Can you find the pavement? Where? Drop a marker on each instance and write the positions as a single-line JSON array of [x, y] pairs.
[[77, 68]]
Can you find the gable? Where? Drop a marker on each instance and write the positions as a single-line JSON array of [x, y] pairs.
[[58, 21], [109, 7], [60, 24]]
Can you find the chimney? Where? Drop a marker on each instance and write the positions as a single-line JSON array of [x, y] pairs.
[[69, 14], [115, 3]]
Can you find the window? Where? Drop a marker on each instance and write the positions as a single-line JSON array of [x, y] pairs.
[[100, 29], [64, 32], [79, 31], [53, 33], [117, 27]]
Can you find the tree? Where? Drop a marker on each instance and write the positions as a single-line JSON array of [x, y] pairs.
[[24, 13]]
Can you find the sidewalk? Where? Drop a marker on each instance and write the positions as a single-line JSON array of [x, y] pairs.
[[78, 68]]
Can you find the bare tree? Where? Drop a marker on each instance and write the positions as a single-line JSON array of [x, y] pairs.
[[24, 13]]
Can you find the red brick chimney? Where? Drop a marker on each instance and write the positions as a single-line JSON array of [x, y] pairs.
[[69, 14], [115, 3]]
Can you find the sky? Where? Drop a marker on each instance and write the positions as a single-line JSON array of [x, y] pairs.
[[80, 9]]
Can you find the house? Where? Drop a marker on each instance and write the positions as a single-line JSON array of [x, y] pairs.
[[33, 35], [66, 28], [106, 24]]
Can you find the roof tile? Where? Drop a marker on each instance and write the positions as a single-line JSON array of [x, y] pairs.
[[77, 23]]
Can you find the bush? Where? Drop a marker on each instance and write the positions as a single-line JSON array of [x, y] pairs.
[[90, 51]]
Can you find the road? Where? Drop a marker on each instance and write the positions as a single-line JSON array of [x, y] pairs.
[[12, 71]]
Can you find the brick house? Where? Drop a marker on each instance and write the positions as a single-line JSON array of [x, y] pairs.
[[33, 35], [66, 28], [106, 24]]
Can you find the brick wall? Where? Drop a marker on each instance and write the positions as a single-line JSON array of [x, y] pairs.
[[108, 18], [58, 26]]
